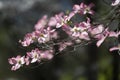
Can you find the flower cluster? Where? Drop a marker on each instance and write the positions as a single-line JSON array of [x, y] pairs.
[[43, 33], [31, 57], [16, 62], [47, 31], [83, 9]]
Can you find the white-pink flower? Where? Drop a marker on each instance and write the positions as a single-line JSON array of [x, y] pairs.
[[75, 31], [101, 37], [41, 23], [84, 25], [83, 8], [106, 33], [46, 35], [28, 39], [43, 38], [60, 19], [48, 54], [115, 2], [17, 62], [97, 30], [38, 55], [52, 21], [34, 55], [84, 35]]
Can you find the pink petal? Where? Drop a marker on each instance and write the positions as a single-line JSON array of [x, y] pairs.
[[52, 21], [99, 29], [41, 23], [84, 35], [27, 60], [76, 7], [12, 61], [34, 60], [113, 34], [114, 48], [99, 42], [70, 16]]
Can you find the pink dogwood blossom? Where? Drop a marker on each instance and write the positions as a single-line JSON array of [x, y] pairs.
[[28, 39], [115, 2], [46, 34], [34, 55], [48, 54], [106, 33], [75, 31], [84, 25], [52, 21], [96, 30], [84, 35], [37, 55], [60, 19], [17, 62], [81, 30], [83, 9], [41, 23]]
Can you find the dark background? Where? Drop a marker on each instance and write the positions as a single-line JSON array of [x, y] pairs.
[[18, 17]]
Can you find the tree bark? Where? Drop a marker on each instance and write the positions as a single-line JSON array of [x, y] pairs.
[[92, 68], [116, 59]]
